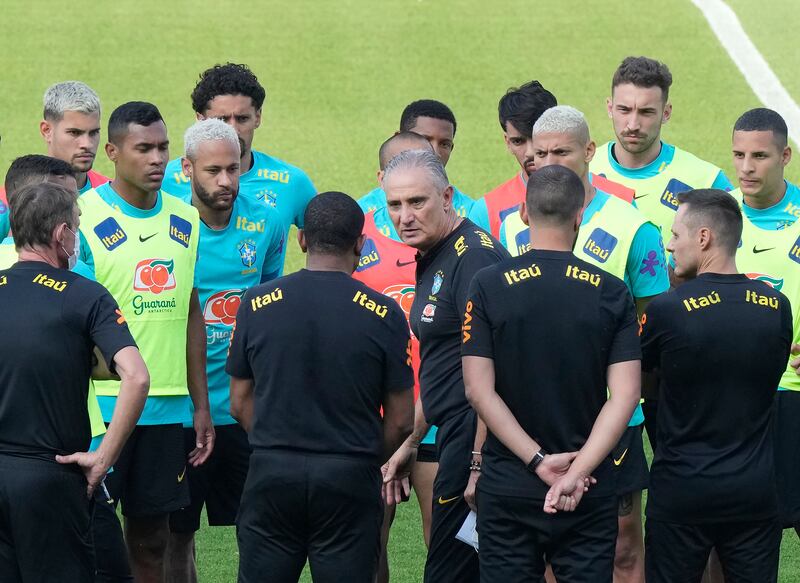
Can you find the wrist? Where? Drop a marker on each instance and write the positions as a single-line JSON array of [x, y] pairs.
[[535, 463]]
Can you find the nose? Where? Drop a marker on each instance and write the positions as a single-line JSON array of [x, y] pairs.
[[224, 179], [529, 150], [632, 121], [747, 164], [406, 215]]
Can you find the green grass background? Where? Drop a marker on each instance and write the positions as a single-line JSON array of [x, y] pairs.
[[339, 73]]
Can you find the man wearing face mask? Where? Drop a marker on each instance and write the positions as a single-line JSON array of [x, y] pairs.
[[43, 505]]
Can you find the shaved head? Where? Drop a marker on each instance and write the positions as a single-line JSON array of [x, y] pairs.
[[401, 142]]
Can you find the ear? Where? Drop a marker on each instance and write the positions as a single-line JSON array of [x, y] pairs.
[[609, 106], [380, 177], [591, 148], [704, 237], [301, 240], [360, 244], [186, 167], [199, 116], [447, 195], [112, 152], [258, 118], [579, 219], [786, 156], [523, 213], [667, 113], [46, 129]]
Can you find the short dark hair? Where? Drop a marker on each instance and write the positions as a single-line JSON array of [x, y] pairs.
[[134, 112], [522, 106], [333, 222], [227, 79], [413, 137], [38, 209], [762, 119], [717, 210], [554, 196], [33, 169], [425, 108], [643, 72]]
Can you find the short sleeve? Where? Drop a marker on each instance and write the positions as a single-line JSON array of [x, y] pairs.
[[647, 264], [86, 253], [471, 263], [238, 364], [479, 214], [626, 344], [476, 330], [5, 224], [273, 257], [652, 335], [721, 182], [398, 373], [105, 322], [304, 192]]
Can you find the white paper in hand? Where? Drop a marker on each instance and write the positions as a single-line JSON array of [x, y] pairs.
[[468, 533]]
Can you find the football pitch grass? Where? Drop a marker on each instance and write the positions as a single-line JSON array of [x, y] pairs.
[[338, 74]]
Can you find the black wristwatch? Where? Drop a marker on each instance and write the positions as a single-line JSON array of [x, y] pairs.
[[537, 459]]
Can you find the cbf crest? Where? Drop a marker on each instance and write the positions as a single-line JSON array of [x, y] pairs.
[[248, 252], [438, 280]]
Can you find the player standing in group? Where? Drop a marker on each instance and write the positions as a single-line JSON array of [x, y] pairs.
[[551, 423], [241, 245], [142, 246], [639, 106], [712, 482], [518, 110], [233, 94], [617, 238], [450, 251], [71, 130], [769, 252], [435, 122], [44, 512], [314, 418]]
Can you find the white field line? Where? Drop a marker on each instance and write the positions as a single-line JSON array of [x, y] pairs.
[[751, 63]]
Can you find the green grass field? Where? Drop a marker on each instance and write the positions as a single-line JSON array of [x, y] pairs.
[[339, 73]]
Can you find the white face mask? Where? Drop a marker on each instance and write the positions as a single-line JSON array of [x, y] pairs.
[[72, 260]]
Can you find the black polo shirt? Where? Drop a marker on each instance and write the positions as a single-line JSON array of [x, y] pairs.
[[443, 277], [323, 350], [52, 319], [553, 324], [720, 344]]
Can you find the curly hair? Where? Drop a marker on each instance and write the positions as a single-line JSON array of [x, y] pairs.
[[227, 79]]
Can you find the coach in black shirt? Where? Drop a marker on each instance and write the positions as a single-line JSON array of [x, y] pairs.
[[542, 335], [52, 320], [450, 251], [314, 357], [719, 344]]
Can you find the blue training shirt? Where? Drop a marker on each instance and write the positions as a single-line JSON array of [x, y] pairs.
[[269, 180]]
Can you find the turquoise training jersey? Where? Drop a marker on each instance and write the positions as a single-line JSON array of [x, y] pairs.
[[5, 224], [780, 215], [657, 166], [375, 200], [157, 410], [247, 252], [269, 180]]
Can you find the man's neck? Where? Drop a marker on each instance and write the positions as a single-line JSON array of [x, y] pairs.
[[451, 224], [133, 195], [546, 238], [213, 219], [634, 161], [764, 200], [81, 178], [589, 191], [40, 254], [319, 262], [718, 263], [246, 163]]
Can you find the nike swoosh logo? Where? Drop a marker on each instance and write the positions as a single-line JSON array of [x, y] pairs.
[[762, 250], [448, 500], [404, 263], [182, 475], [637, 197], [143, 239], [622, 457]]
